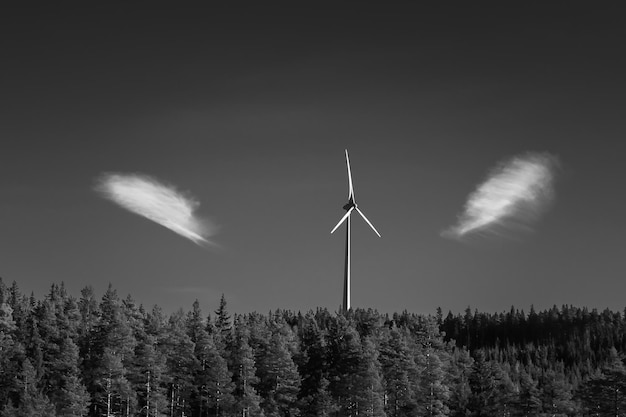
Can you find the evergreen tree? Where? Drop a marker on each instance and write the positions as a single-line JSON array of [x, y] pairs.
[[88, 346], [346, 362], [69, 320], [32, 403], [506, 399], [34, 345], [529, 395], [223, 327], [196, 331], [213, 381], [11, 352], [181, 364], [397, 364], [216, 383], [74, 398], [113, 329], [280, 379], [557, 395], [55, 353], [112, 345], [370, 390], [605, 393], [314, 398], [89, 313], [70, 395], [20, 307], [432, 394], [459, 381], [147, 376], [149, 373], [493, 392], [114, 388], [439, 317], [247, 401]]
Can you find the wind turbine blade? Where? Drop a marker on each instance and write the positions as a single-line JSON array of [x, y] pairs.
[[368, 222], [350, 189], [343, 219]]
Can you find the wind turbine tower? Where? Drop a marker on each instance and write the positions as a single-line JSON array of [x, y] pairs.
[[349, 207]]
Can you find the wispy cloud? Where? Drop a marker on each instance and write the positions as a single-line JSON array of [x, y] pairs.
[[163, 204], [516, 193]]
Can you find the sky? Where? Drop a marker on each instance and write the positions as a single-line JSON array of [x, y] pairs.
[[247, 111]]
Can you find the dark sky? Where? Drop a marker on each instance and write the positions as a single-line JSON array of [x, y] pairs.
[[250, 109]]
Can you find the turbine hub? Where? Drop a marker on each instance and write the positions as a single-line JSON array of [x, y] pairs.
[[349, 205]]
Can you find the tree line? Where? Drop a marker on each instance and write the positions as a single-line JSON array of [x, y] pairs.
[[107, 356]]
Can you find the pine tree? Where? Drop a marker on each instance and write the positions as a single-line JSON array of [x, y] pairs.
[[397, 364], [314, 398], [111, 356], [114, 387], [247, 401], [147, 376], [89, 312], [529, 395], [370, 390], [11, 352], [280, 378], [196, 331], [345, 360], [223, 327], [32, 403], [69, 320], [217, 383], [113, 329], [213, 381], [181, 364], [47, 344], [439, 317], [35, 345], [75, 399], [493, 392], [20, 308], [432, 394], [459, 373], [148, 373], [604, 393], [88, 345], [557, 395], [70, 395]]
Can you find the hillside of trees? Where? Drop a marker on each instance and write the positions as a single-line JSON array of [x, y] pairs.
[[107, 356]]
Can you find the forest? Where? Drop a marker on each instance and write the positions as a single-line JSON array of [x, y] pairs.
[[107, 356]]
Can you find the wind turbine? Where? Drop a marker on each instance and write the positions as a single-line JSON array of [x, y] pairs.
[[350, 207]]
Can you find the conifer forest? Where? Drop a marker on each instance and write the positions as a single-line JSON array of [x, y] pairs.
[[103, 355]]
